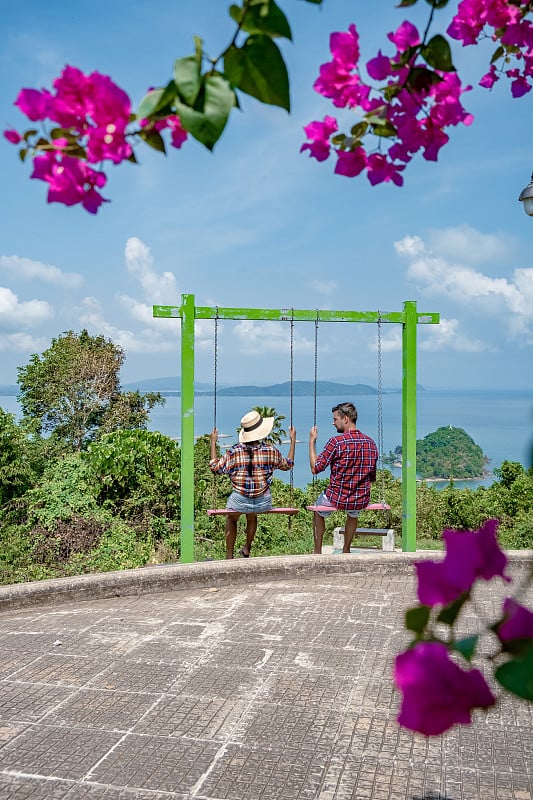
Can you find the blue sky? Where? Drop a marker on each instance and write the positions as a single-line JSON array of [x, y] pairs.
[[256, 224]]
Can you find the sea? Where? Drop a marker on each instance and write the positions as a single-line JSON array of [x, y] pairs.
[[500, 422]]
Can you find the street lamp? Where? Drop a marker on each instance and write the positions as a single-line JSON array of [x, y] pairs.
[[526, 197]]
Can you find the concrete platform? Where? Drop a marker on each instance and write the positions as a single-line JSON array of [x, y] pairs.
[[258, 679]]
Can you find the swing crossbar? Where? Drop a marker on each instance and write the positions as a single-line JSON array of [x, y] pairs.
[[211, 512], [370, 507]]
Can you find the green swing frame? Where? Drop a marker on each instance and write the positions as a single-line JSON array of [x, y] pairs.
[[409, 318]]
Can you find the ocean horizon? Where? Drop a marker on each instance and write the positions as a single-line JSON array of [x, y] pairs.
[[500, 422]]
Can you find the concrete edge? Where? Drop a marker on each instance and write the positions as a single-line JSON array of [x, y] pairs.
[[168, 577]]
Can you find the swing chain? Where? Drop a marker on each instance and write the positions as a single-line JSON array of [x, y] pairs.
[[291, 474], [215, 366], [380, 413]]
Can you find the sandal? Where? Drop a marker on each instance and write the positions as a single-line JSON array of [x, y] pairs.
[[243, 554]]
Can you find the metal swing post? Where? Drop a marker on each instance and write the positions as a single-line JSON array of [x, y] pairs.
[[187, 310]]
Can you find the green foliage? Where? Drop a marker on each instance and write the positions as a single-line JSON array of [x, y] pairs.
[[449, 453], [135, 472], [22, 457], [72, 391]]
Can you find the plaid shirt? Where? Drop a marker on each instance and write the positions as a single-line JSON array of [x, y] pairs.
[[352, 457], [235, 462]]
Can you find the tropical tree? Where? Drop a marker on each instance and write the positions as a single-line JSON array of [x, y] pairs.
[[72, 391], [277, 433]]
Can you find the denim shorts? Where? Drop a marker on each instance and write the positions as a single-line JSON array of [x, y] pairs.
[[249, 505], [322, 500]]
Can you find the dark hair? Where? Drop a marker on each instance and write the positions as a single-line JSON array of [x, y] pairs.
[[250, 452], [347, 410]]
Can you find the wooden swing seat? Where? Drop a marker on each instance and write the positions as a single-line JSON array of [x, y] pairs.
[[211, 512], [369, 507]]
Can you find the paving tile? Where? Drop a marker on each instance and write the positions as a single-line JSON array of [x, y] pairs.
[[56, 752], [161, 764]]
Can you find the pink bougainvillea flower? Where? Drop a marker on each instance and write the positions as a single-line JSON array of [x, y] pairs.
[[178, 134], [468, 22], [469, 555], [381, 170], [405, 36], [344, 47], [108, 142], [379, 67], [489, 79], [108, 103], [13, 136], [69, 105], [437, 693], [70, 180], [350, 163], [34, 104], [517, 623], [319, 134]]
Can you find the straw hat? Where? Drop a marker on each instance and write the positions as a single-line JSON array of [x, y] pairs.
[[255, 427]]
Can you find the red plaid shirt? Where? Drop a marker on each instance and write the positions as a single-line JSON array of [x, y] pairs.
[[265, 459], [352, 457]]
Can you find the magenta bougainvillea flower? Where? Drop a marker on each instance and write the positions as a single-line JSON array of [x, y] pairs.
[[469, 555], [517, 623], [437, 693], [70, 180], [13, 136]]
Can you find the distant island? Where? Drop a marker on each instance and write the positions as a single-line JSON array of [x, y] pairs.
[[444, 454], [299, 389]]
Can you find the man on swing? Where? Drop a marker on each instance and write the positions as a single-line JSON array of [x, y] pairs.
[[352, 457], [250, 466]]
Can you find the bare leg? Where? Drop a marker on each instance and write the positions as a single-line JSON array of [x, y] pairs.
[[231, 533], [319, 527], [350, 528], [251, 527]]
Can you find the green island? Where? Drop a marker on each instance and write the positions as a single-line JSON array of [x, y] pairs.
[[445, 454]]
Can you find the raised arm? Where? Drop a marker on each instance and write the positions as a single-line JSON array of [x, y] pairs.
[[313, 435]]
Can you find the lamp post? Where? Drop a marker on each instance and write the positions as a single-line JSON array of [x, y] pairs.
[[526, 197]]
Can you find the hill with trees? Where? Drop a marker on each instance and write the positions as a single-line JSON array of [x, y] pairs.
[[449, 452]]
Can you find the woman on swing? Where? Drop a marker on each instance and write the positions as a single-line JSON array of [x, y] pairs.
[[250, 466]]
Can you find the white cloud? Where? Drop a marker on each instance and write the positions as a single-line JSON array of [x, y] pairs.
[[325, 288], [145, 340], [448, 336], [465, 244], [22, 314], [34, 270], [159, 288], [510, 299], [22, 343], [270, 337]]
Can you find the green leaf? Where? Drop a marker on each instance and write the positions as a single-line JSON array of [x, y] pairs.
[[316, 2], [187, 74], [267, 18], [29, 134], [466, 646], [154, 139], [438, 54], [359, 130], [386, 129], [406, 3], [157, 100], [258, 69], [417, 618], [437, 3], [449, 613], [498, 53], [208, 118], [421, 79], [516, 675], [23, 153]]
